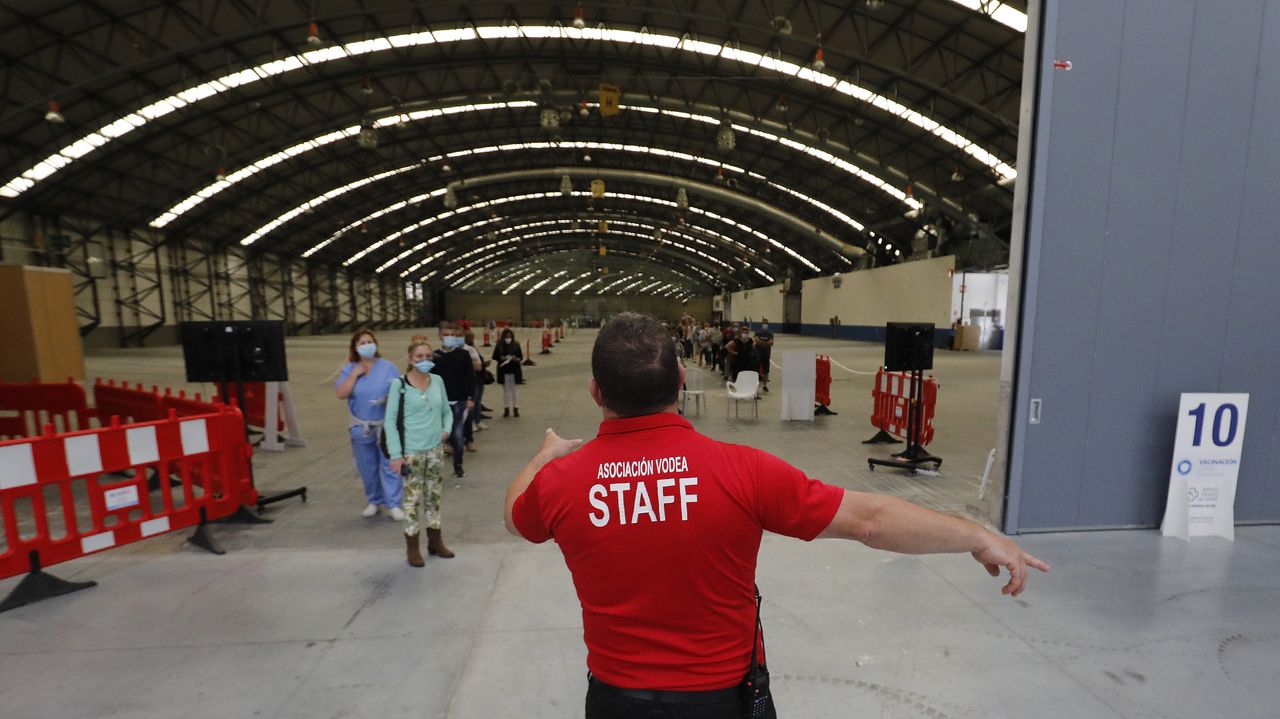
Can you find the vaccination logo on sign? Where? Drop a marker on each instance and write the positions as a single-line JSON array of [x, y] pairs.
[[1206, 465]]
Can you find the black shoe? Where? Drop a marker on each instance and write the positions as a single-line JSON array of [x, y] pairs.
[[483, 417], [506, 411], [485, 409], [457, 470], [516, 411]]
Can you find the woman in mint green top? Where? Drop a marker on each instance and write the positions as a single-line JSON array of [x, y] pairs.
[[418, 455]]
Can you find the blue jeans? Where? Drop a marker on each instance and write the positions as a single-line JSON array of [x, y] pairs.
[[381, 485], [458, 436]]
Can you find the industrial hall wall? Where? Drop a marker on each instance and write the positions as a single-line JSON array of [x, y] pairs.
[[757, 304], [1151, 254], [918, 291]]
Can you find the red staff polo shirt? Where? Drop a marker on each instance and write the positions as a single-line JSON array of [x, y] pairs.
[[660, 527]]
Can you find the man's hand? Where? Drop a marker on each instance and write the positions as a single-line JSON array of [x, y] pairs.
[[396, 464], [471, 405], [554, 446], [444, 436], [1003, 552]]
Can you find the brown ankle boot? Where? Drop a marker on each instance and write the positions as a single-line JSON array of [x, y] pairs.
[[414, 551], [435, 545]]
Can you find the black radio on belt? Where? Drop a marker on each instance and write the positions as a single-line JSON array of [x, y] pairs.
[[757, 702]]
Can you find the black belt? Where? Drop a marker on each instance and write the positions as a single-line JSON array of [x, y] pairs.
[[714, 696]]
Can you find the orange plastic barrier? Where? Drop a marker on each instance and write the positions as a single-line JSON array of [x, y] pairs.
[[822, 389], [255, 405], [130, 405], [546, 341], [35, 404], [891, 396], [209, 453], [486, 338]]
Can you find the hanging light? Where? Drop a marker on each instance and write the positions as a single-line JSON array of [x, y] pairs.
[[818, 61], [957, 176], [586, 156], [54, 113], [725, 139], [682, 198], [579, 19], [720, 174], [221, 175], [782, 104], [583, 110], [450, 198], [446, 167], [566, 185], [366, 86], [368, 136], [313, 34]]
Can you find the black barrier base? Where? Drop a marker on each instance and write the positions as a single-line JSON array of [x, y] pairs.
[[527, 363], [203, 539], [264, 501], [883, 437], [910, 459], [545, 352], [243, 515], [40, 585]]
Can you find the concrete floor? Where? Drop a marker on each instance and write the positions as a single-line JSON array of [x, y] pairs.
[[317, 615]]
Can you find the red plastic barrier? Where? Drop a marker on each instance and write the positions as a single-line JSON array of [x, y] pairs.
[[822, 389], [546, 341], [486, 338], [891, 397], [36, 404], [189, 406], [129, 404], [255, 405], [209, 453]]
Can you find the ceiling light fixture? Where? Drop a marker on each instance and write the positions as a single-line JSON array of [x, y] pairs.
[[818, 61], [579, 19], [313, 35], [54, 113]]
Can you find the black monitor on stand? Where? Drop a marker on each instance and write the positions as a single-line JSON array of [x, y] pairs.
[[908, 347], [231, 353]]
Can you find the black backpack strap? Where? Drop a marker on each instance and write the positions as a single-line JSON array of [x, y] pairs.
[[404, 380]]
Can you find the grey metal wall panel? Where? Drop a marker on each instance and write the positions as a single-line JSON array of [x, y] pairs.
[[1080, 148], [1253, 353], [1117, 477], [1154, 220]]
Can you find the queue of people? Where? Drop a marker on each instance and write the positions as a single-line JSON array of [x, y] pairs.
[[405, 421]]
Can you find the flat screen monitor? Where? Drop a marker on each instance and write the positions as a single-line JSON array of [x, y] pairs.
[[236, 350], [908, 346]]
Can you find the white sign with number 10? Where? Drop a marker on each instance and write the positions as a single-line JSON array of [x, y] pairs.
[[1206, 464]]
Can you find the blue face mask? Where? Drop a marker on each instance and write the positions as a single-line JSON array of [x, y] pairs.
[[453, 341], [424, 366], [367, 351]]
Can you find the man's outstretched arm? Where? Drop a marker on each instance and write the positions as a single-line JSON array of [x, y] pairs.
[[897, 525]]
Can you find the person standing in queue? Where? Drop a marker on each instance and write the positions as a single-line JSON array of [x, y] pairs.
[[764, 351], [742, 355], [652, 515], [455, 367], [363, 384], [478, 364], [416, 453], [507, 357]]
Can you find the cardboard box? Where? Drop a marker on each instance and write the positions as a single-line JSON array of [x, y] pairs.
[[968, 338], [38, 324]]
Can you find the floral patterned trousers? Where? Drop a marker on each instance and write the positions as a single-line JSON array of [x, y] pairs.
[[422, 490]]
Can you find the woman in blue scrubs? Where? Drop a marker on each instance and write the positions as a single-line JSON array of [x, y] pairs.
[[363, 383]]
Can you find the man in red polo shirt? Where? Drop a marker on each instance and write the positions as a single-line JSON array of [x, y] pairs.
[[652, 515]]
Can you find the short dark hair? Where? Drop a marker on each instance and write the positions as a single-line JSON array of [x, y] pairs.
[[352, 355], [634, 365]]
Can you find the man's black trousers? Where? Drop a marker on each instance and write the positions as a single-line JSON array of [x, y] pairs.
[[606, 703]]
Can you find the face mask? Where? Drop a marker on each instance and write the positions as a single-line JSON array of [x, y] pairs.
[[764, 326], [509, 340], [744, 338], [367, 351], [452, 342], [424, 366]]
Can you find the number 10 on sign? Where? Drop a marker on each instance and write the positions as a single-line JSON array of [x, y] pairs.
[[1206, 465]]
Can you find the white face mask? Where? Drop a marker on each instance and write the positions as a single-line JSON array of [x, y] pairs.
[[509, 340]]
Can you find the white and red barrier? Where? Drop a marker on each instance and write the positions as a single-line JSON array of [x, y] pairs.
[[891, 409], [208, 453]]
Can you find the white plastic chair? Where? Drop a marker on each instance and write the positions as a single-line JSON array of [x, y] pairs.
[[693, 388], [746, 386]]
